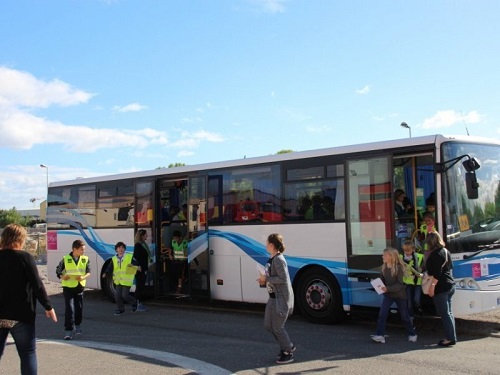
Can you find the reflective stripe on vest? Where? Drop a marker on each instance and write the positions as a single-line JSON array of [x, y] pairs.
[[180, 249], [120, 275], [410, 279], [74, 269]]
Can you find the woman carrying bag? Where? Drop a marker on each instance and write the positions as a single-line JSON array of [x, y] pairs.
[[439, 266]]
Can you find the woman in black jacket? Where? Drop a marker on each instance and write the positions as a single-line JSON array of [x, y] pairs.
[[439, 266], [20, 288], [142, 255]]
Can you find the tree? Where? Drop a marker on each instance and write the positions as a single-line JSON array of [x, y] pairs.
[[171, 165], [12, 216], [285, 152]]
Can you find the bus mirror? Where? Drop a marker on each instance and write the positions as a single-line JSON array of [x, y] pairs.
[[471, 185], [471, 165]]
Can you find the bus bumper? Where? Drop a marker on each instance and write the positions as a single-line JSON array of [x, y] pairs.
[[466, 302]]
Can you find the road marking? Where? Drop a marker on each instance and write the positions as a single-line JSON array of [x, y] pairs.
[[191, 364]]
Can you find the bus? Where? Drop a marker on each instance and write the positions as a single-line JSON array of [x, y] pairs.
[[334, 207]]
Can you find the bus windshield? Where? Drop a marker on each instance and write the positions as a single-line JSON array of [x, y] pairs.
[[472, 225]]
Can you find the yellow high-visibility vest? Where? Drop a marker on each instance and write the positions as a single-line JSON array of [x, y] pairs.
[[412, 279], [120, 274], [74, 269], [180, 249]]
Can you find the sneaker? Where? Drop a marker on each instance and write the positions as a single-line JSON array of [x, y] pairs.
[[78, 330], [378, 338], [119, 312], [412, 338], [140, 308], [285, 357], [68, 335], [294, 348]]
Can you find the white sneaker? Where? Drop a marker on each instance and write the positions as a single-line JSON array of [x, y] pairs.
[[378, 338], [412, 338]]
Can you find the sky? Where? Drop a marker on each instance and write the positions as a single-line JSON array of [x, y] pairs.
[[98, 87]]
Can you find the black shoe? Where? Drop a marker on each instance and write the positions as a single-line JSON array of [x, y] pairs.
[[285, 357], [119, 312], [446, 342], [281, 352]]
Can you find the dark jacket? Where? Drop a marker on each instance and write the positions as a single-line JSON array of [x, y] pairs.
[[141, 256], [20, 287], [394, 284], [439, 266]]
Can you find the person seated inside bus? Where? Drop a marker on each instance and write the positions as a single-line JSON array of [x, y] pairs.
[[179, 256], [402, 206], [316, 210]]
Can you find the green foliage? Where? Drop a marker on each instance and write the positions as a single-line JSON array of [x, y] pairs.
[[285, 152], [171, 165], [12, 216]]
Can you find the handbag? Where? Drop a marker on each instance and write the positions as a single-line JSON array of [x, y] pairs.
[[427, 279], [426, 283]]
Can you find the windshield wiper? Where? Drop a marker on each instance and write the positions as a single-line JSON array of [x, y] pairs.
[[491, 246]]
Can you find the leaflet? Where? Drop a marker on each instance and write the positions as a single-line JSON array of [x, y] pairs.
[[378, 284]]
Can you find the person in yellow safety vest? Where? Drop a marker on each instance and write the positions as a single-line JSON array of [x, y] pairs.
[[123, 268], [413, 277], [428, 227], [73, 270], [179, 248]]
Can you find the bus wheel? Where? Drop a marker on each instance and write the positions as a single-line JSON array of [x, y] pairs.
[[108, 287], [319, 298]]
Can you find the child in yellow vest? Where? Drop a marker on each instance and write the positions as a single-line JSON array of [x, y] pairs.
[[123, 269], [179, 248], [413, 277]]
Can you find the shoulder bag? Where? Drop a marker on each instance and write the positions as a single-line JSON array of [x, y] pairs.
[[427, 279]]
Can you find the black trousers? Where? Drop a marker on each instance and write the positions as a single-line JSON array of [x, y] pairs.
[[140, 284], [73, 307]]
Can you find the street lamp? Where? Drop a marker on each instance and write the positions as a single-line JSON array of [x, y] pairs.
[[47, 184], [405, 125]]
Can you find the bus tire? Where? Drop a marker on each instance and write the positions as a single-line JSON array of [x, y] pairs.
[[319, 298], [108, 287]]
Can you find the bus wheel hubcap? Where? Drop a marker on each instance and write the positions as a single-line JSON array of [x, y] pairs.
[[318, 296]]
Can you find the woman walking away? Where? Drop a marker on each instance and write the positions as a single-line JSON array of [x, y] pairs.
[[392, 273], [142, 254], [438, 265], [20, 288], [280, 304]]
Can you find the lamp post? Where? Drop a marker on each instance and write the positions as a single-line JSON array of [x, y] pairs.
[[405, 125], [47, 184]]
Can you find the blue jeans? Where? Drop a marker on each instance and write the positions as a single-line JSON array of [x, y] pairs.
[[122, 295], [442, 302], [24, 337], [384, 312], [73, 307], [413, 296]]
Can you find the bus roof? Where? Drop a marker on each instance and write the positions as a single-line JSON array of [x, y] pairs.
[[348, 149]]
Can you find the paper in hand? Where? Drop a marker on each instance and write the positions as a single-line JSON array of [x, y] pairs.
[[378, 284], [260, 269]]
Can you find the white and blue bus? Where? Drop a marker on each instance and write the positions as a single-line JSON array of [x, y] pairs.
[[335, 208]]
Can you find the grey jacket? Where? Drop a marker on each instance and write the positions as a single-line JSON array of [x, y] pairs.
[[279, 280]]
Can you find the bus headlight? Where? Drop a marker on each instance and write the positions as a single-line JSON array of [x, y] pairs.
[[467, 283]]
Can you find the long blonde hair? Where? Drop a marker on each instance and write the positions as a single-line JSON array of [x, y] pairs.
[[396, 263]]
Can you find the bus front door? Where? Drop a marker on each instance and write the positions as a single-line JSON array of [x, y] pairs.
[[198, 259]]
